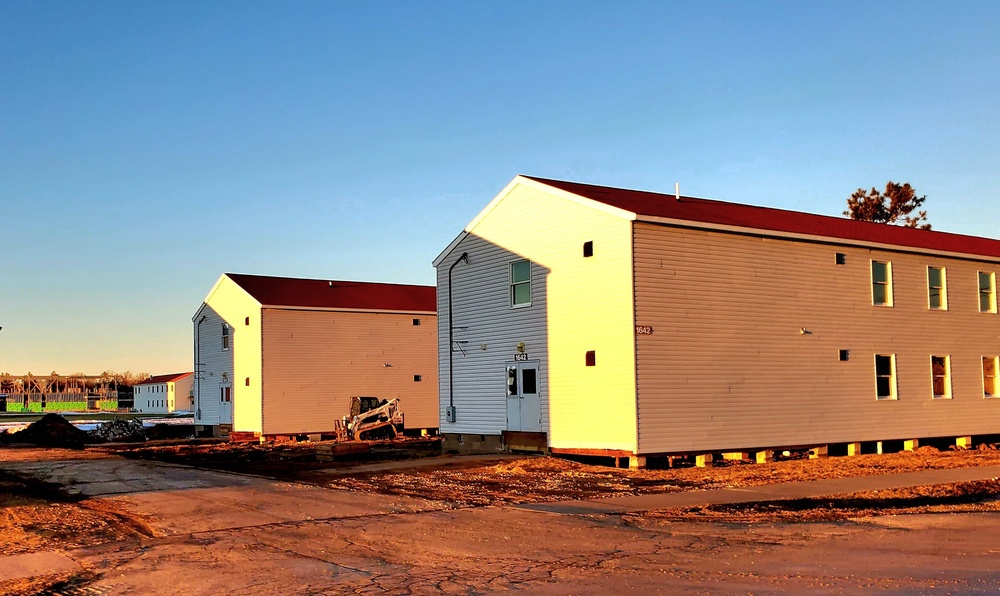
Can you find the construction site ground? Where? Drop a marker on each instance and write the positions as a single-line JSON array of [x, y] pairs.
[[211, 518]]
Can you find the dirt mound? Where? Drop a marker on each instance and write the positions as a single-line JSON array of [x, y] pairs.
[[51, 431], [127, 431]]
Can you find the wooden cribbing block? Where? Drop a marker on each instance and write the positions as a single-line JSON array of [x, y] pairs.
[[637, 462]]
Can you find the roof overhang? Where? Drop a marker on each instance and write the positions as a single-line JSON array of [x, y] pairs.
[[349, 310]]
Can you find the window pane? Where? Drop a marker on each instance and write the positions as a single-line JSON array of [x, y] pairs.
[[990, 376], [879, 294], [879, 272], [520, 271], [984, 282], [939, 386], [883, 365], [985, 303], [883, 387], [522, 294], [528, 381], [934, 277], [939, 372], [935, 298]]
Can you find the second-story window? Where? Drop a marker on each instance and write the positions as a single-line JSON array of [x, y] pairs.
[[987, 292], [881, 283], [225, 336], [520, 283], [937, 293]]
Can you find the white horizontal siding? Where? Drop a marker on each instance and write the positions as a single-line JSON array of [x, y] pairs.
[[488, 329], [728, 367], [212, 365]]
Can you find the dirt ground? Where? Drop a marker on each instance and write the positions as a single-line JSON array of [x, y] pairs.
[[36, 516], [276, 460], [536, 479], [528, 479]]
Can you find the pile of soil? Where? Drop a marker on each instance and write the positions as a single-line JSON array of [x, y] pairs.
[[51, 431], [126, 431]]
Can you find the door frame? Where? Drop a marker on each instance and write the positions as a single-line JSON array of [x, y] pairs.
[[222, 400], [518, 368]]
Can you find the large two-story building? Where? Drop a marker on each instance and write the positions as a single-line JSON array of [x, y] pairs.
[[605, 321]]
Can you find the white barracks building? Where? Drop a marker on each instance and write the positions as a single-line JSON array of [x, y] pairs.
[[278, 356], [601, 321]]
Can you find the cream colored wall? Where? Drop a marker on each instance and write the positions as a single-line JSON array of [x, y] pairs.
[[234, 305], [728, 367], [589, 305], [315, 361], [182, 393]]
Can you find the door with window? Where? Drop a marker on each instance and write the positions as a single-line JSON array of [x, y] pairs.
[[524, 404], [226, 404]]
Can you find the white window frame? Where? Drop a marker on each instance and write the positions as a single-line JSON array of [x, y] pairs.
[[226, 338], [946, 377], [513, 284], [996, 377], [893, 391], [887, 283], [992, 306], [942, 289]]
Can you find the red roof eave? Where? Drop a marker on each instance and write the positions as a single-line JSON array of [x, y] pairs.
[[171, 378], [657, 206], [337, 295]]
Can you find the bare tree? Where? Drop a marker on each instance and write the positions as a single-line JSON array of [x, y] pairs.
[[894, 206]]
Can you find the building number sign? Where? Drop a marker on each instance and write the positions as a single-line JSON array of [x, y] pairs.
[[643, 330], [521, 357]]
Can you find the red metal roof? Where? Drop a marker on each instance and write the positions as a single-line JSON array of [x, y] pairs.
[[171, 378], [322, 293], [779, 220]]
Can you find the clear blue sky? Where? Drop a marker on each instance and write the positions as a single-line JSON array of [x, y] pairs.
[[148, 147]]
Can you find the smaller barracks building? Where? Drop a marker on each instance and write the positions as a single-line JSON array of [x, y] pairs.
[[278, 356]]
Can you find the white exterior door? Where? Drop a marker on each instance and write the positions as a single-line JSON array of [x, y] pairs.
[[524, 404], [225, 404]]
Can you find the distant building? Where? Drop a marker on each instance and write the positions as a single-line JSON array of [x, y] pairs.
[[164, 394], [602, 321], [283, 356]]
